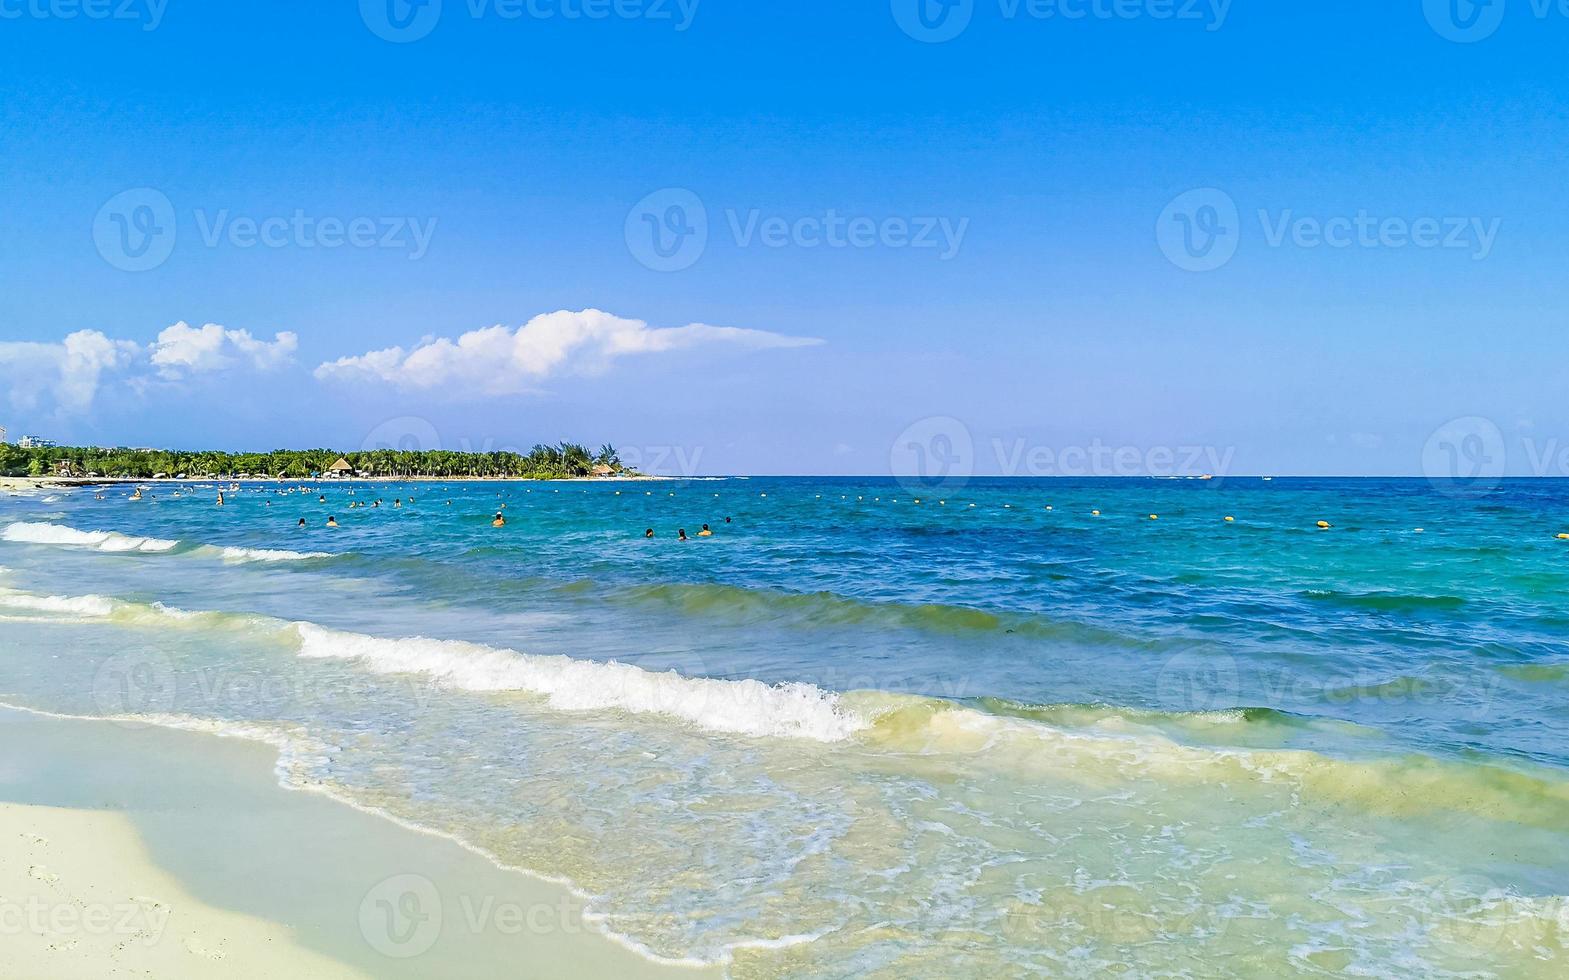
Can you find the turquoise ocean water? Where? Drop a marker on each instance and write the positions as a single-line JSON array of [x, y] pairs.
[[874, 730]]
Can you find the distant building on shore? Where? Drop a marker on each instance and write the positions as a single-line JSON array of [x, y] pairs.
[[35, 442]]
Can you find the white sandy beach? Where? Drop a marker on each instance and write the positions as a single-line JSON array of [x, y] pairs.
[[151, 852], [81, 897]]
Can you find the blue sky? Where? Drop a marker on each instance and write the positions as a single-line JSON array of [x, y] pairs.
[[972, 246]]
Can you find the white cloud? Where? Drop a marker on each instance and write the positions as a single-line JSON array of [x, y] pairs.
[[182, 350], [68, 372], [500, 361]]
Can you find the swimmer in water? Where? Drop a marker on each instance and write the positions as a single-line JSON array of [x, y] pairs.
[[332, 522], [302, 522], [322, 499], [727, 520], [706, 532], [648, 533], [220, 498], [681, 535], [499, 521]]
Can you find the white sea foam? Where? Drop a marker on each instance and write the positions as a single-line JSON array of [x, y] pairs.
[[95, 606], [268, 554], [745, 707], [59, 534], [113, 541]]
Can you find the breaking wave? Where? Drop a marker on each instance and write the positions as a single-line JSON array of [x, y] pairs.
[[113, 541], [59, 534], [744, 707]]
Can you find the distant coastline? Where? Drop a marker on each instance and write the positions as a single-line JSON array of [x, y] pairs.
[[63, 465], [22, 484]]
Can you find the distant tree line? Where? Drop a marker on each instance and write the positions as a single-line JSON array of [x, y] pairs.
[[541, 463]]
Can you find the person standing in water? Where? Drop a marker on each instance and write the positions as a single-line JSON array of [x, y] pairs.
[[681, 535], [499, 521], [332, 522], [706, 532]]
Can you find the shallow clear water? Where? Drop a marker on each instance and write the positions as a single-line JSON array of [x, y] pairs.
[[988, 733]]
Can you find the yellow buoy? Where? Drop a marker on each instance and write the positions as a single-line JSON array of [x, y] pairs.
[[1325, 525], [1094, 513], [1230, 519], [1154, 517], [1563, 537]]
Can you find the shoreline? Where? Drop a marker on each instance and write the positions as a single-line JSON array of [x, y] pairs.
[[273, 880]]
